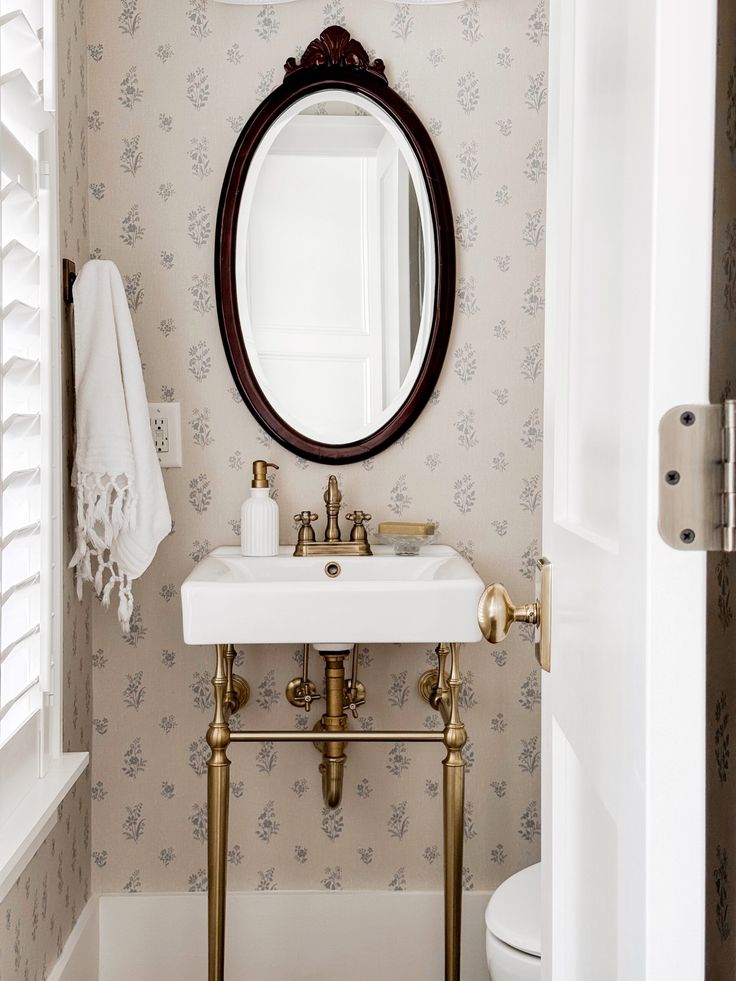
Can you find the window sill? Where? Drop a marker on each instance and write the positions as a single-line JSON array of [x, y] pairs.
[[26, 828]]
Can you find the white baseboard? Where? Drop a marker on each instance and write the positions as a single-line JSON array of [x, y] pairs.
[[273, 936], [80, 958]]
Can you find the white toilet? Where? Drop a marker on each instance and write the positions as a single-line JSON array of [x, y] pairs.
[[513, 928]]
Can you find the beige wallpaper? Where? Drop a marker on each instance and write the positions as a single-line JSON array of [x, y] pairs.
[[721, 796], [40, 911], [170, 86]]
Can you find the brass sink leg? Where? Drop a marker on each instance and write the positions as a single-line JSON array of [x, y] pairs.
[[453, 786], [218, 786], [442, 691]]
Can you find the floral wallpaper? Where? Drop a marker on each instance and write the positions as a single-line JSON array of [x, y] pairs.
[[170, 87], [38, 914], [721, 793]]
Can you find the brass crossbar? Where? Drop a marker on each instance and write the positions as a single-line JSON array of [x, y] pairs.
[[297, 736]]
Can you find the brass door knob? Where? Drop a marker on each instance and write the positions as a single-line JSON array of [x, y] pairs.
[[497, 613]]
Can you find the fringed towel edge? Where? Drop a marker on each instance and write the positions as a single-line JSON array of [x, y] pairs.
[[106, 506]]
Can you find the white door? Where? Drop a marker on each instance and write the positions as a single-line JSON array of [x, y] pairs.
[[329, 316], [632, 89]]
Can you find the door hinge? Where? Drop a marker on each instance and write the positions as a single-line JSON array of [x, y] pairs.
[[697, 479]]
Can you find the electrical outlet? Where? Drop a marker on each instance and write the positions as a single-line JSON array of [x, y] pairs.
[[166, 431], [160, 429]]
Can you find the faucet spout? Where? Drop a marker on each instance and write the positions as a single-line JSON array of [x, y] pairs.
[[333, 500], [332, 494]]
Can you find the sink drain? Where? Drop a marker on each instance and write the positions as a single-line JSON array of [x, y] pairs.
[[333, 569]]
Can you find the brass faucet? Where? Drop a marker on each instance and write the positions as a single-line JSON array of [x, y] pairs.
[[306, 543]]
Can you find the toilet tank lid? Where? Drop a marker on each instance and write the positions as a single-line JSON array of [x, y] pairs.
[[514, 912]]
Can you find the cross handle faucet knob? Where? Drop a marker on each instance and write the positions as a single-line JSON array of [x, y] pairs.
[[306, 517], [306, 531], [358, 532], [358, 517]]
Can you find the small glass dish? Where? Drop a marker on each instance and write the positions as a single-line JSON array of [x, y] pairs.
[[406, 537]]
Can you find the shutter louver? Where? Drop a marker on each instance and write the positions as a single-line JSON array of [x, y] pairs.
[[24, 457]]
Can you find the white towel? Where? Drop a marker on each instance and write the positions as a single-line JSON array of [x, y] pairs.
[[122, 510]]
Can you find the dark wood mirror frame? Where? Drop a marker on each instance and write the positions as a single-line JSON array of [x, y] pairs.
[[334, 61]]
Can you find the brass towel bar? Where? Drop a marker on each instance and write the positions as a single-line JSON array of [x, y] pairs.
[[287, 735]]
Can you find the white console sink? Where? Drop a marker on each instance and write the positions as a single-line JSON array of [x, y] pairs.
[[383, 598]]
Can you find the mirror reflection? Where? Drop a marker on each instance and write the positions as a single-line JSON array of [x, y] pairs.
[[335, 267]]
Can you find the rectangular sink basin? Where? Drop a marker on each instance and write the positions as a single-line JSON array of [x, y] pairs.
[[380, 599]]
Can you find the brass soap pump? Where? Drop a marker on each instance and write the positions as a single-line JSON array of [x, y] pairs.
[[259, 516]]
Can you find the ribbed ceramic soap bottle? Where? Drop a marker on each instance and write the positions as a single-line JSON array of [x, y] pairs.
[[259, 516]]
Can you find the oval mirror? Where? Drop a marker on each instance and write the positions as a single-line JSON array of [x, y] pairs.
[[335, 258]]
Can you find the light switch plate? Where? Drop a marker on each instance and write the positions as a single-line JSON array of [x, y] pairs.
[[166, 429]]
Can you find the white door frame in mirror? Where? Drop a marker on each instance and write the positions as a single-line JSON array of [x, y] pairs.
[[428, 241]]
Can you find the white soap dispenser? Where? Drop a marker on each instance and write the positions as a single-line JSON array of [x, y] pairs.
[[259, 516]]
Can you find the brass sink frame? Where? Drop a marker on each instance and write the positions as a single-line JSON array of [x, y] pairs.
[[231, 694]]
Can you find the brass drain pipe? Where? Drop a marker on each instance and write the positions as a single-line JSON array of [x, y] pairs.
[[334, 720]]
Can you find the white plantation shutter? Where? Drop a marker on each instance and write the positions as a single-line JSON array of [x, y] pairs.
[[27, 303]]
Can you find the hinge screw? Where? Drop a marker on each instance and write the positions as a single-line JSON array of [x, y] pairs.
[[687, 536], [672, 477], [687, 418]]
